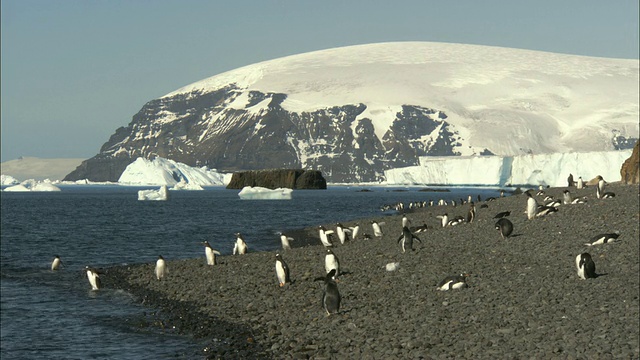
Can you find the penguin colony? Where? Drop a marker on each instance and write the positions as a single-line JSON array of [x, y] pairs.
[[330, 295]]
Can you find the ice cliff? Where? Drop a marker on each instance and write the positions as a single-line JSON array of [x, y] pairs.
[[540, 169]]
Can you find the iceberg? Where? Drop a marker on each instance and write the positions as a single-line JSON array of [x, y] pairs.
[[161, 194], [160, 171], [261, 193], [8, 180], [522, 170], [33, 186], [17, 188]]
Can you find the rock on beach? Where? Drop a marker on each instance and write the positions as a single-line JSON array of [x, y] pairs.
[[524, 297]]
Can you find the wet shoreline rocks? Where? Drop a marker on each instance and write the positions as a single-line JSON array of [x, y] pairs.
[[524, 297]]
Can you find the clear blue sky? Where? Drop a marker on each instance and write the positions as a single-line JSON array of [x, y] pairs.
[[75, 71]]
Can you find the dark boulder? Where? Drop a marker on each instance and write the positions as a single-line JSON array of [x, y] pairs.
[[279, 178]]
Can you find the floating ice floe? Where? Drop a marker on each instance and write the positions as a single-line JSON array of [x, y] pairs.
[[158, 195], [260, 193], [33, 186], [183, 185]]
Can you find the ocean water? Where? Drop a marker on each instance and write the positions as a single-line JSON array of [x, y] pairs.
[[55, 315]]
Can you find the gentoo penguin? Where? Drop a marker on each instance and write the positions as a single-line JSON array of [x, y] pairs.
[[210, 253], [505, 227], [580, 183], [331, 296], [568, 199], [444, 219], [532, 206], [407, 239], [377, 230], [586, 266], [282, 271], [420, 228], [240, 247], [324, 236], [553, 203], [161, 268], [471, 215], [453, 282], [284, 239], [455, 221], [500, 215], [56, 263], [342, 232], [603, 239], [94, 278], [600, 193], [355, 231], [545, 210], [570, 182], [331, 262]]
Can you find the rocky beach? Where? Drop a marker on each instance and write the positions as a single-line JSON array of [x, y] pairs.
[[523, 300]]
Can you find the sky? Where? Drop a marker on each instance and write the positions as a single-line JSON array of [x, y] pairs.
[[73, 71]]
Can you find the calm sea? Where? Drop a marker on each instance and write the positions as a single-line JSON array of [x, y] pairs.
[[54, 315]]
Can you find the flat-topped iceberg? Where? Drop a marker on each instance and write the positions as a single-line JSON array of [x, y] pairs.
[[161, 194], [261, 193]]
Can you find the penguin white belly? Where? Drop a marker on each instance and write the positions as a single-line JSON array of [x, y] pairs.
[[161, 269], [331, 263], [211, 259], [532, 207], [281, 273]]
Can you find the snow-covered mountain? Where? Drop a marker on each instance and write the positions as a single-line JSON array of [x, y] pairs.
[[356, 111]]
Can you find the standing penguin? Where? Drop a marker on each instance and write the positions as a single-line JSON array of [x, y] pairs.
[[471, 215], [405, 221], [586, 266], [407, 239], [161, 268], [331, 262], [284, 239], [282, 271], [210, 253], [94, 278], [377, 230], [505, 226], [444, 219], [532, 206], [240, 247], [355, 231], [331, 296], [600, 193], [324, 236], [342, 233], [453, 282], [580, 183], [56, 263], [570, 182]]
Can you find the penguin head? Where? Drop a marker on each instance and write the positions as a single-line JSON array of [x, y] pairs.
[[278, 257], [330, 275], [160, 257]]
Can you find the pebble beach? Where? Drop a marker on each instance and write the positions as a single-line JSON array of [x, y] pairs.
[[523, 300]]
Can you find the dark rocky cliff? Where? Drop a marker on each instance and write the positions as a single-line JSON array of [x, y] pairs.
[[279, 178]]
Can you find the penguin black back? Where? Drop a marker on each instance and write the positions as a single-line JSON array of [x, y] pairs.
[[505, 227], [331, 296]]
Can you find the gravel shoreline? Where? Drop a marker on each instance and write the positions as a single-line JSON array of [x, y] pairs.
[[524, 298]]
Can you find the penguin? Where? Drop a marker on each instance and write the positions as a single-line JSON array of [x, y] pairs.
[[501, 215], [444, 219], [553, 203], [471, 215], [377, 230], [407, 239], [570, 182], [282, 271], [586, 266], [325, 236], [56, 263], [453, 282], [94, 278], [545, 210], [405, 221], [603, 239], [331, 296], [240, 247], [284, 239], [580, 183], [568, 199], [455, 221], [505, 226], [161, 268], [420, 228], [600, 187], [484, 206], [210, 253], [331, 262], [532, 206], [342, 232], [355, 231]]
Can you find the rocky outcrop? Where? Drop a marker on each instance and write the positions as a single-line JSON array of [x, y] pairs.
[[630, 171], [279, 178]]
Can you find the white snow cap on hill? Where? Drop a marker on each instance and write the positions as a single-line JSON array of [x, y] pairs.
[[160, 171], [542, 102]]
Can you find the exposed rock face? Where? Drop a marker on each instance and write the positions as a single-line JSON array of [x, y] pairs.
[[201, 129], [279, 178], [630, 171]]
